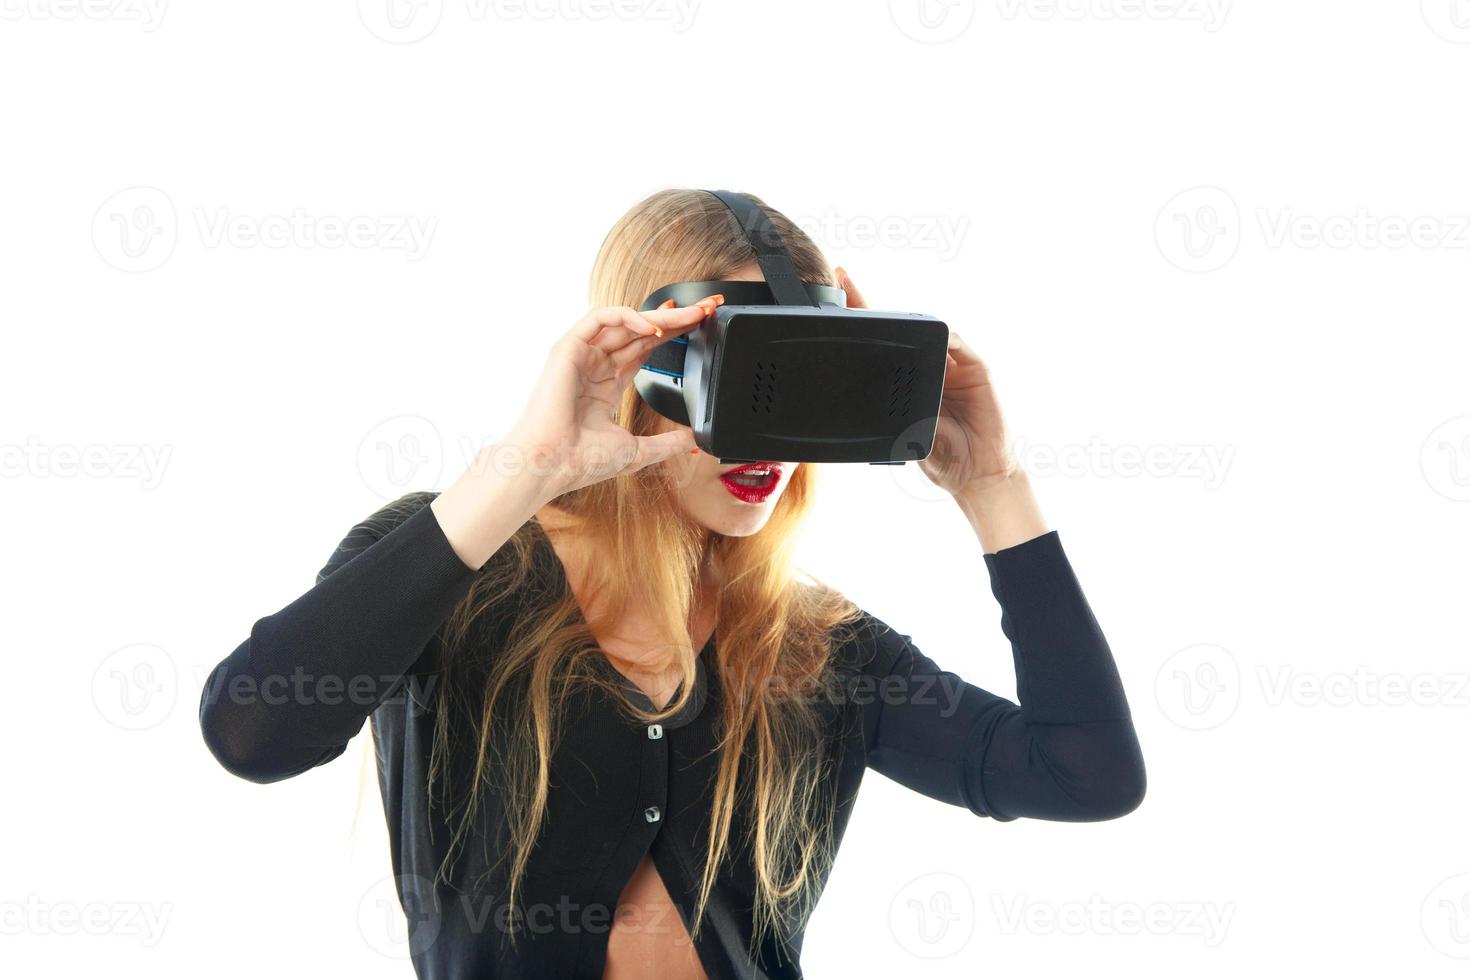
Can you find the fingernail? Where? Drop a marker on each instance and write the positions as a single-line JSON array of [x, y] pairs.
[[667, 304], [841, 274], [693, 452]]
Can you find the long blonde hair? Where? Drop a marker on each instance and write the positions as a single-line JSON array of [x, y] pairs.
[[775, 632]]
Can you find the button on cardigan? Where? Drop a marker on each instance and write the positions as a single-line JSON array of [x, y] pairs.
[[369, 630]]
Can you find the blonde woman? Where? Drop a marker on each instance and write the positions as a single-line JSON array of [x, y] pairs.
[[580, 779]]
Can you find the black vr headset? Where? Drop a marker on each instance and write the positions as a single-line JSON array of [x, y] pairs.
[[784, 371]]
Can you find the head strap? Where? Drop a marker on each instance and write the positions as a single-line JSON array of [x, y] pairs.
[[770, 250]]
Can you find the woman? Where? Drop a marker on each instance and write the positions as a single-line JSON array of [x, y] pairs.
[[579, 780]]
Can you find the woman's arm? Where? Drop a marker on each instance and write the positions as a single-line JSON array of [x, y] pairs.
[[1004, 512], [302, 685], [293, 694], [1067, 751]]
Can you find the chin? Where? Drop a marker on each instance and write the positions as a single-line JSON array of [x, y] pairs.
[[736, 520], [740, 530]]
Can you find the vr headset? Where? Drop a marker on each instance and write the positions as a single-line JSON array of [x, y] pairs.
[[784, 371]]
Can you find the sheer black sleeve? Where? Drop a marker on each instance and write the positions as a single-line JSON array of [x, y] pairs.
[[1067, 751], [293, 694]]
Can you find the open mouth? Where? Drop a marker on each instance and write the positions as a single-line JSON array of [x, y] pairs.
[[753, 481]]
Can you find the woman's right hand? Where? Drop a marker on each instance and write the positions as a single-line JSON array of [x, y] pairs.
[[568, 436]]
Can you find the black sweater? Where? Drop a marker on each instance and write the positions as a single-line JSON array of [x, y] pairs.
[[364, 643]]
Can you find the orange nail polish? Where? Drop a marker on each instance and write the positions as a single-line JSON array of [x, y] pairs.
[[667, 304]]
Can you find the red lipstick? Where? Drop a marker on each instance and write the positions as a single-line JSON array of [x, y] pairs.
[[752, 482]]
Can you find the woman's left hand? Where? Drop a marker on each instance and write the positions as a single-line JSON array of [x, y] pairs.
[[971, 448]]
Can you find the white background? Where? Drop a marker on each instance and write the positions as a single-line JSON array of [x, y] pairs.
[[1228, 240]]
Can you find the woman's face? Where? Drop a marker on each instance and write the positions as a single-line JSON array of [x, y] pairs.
[[716, 495], [722, 498]]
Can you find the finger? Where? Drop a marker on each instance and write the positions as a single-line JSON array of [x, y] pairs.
[[961, 351], [623, 320], [638, 348], [628, 359], [706, 305], [854, 298], [609, 328], [680, 319], [665, 445], [621, 347], [671, 321], [635, 350]]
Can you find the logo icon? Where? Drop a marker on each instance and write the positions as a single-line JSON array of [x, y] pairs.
[[1445, 459], [136, 687], [1198, 687], [1450, 19], [399, 454], [909, 477], [135, 230], [1445, 916], [932, 21], [1199, 229], [399, 928], [400, 21], [933, 916]]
